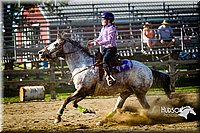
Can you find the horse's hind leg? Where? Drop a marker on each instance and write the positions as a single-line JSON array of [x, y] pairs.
[[142, 99], [119, 104], [121, 99]]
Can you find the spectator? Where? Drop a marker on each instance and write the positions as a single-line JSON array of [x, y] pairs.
[[148, 35], [165, 33]]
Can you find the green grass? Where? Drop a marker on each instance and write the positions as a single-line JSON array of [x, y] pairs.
[[10, 99], [62, 96], [59, 96], [16, 99], [188, 89]]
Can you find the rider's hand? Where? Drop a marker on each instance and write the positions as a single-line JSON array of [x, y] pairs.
[[90, 43], [162, 41]]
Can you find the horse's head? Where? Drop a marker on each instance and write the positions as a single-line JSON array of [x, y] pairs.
[[53, 50], [61, 47]]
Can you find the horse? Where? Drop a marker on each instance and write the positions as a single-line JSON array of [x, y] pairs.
[[137, 80], [184, 111]]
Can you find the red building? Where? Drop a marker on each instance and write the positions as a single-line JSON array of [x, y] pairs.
[[32, 31]]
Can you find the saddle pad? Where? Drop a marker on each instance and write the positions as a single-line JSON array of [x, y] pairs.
[[126, 65]]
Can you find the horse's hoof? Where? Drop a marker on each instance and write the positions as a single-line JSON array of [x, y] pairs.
[[169, 96], [100, 123], [57, 120], [91, 110]]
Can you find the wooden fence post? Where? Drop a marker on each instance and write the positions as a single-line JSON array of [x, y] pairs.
[[52, 79], [36, 63], [172, 71]]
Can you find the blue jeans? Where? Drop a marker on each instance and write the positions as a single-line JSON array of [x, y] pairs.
[[108, 54]]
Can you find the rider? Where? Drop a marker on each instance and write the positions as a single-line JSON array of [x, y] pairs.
[[107, 38]]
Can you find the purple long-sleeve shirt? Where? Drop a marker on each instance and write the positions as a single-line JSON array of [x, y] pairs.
[[107, 36]]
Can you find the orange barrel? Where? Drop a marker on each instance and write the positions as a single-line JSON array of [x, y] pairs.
[[27, 93]]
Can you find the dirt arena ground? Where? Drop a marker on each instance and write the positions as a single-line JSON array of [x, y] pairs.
[[39, 116]]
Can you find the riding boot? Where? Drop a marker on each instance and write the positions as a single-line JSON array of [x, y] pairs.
[[110, 80]]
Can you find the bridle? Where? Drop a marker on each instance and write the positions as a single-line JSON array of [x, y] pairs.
[[59, 49], [62, 53]]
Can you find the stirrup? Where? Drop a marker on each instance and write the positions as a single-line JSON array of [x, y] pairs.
[[110, 80]]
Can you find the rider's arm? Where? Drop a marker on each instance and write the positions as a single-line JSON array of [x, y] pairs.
[[108, 38]]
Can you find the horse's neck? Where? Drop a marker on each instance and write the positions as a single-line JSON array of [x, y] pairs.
[[78, 60]]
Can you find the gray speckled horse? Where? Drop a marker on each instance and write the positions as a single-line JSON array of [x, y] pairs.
[[136, 81]]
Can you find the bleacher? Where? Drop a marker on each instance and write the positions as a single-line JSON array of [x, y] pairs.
[[82, 22]]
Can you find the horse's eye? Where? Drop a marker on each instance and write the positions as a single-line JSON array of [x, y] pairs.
[[56, 44]]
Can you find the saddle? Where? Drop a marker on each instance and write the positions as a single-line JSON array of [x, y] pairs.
[[115, 61]]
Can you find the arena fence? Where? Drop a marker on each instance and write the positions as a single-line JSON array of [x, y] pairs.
[[32, 30]]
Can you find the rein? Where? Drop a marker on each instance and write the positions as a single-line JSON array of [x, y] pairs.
[[60, 48], [75, 45], [68, 52], [95, 64]]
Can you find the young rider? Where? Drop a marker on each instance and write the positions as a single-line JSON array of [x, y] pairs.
[[107, 39]]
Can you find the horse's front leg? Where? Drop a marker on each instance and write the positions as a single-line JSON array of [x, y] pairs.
[[77, 95], [80, 108]]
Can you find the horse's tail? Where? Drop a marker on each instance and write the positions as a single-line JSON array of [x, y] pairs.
[[162, 80]]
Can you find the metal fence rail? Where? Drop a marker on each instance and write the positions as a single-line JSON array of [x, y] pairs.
[[33, 30]]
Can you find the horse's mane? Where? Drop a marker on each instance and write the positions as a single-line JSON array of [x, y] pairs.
[[77, 44]]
